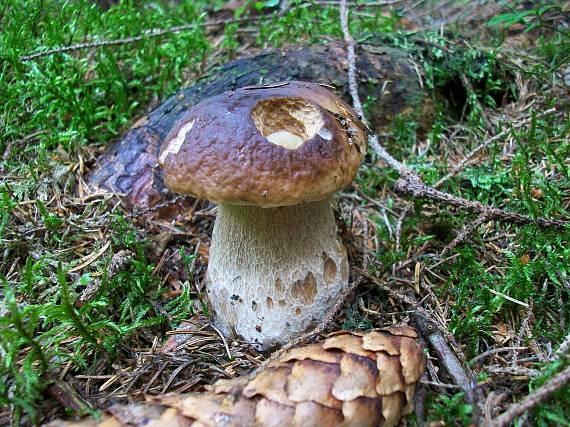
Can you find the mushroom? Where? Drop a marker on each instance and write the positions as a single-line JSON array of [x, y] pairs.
[[271, 157]]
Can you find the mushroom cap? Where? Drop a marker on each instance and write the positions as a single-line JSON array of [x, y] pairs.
[[267, 146]]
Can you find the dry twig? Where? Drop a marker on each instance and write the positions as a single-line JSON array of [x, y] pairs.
[[536, 397], [135, 39], [409, 182], [412, 185], [464, 234], [461, 374]]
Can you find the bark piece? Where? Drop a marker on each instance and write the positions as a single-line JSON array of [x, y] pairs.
[[355, 387]]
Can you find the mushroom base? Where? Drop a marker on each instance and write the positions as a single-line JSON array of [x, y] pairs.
[[273, 273]]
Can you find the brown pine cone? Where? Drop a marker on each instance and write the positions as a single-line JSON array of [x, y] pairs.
[[350, 379]]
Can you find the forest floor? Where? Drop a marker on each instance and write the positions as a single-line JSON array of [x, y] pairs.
[[88, 301]]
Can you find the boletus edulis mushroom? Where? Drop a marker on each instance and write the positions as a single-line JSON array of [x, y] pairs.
[[271, 157]]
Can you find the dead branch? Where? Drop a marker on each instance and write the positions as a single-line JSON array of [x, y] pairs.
[[409, 182], [144, 36], [461, 374], [536, 397]]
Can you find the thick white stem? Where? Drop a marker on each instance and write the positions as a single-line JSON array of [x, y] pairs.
[[273, 273]]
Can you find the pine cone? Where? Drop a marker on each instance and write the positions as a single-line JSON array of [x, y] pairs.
[[350, 379]]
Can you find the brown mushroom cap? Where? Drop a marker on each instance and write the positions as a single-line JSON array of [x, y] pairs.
[[276, 145]]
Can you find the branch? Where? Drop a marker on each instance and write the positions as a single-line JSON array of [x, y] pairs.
[[533, 399], [144, 36], [410, 182], [413, 186]]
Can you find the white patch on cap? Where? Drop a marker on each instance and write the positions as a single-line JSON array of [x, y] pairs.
[[176, 142], [285, 139], [325, 134]]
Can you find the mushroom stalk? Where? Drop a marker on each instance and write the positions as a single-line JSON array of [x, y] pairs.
[[274, 272]]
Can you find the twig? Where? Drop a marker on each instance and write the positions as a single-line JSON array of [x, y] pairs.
[[495, 351], [522, 330], [536, 397], [223, 340], [410, 182], [399, 226], [437, 384], [413, 186], [144, 36], [353, 89], [511, 299], [464, 233], [461, 374], [515, 371]]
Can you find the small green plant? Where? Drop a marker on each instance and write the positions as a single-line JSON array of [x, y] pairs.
[[6, 206], [355, 320], [453, 410], [17, 330]]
